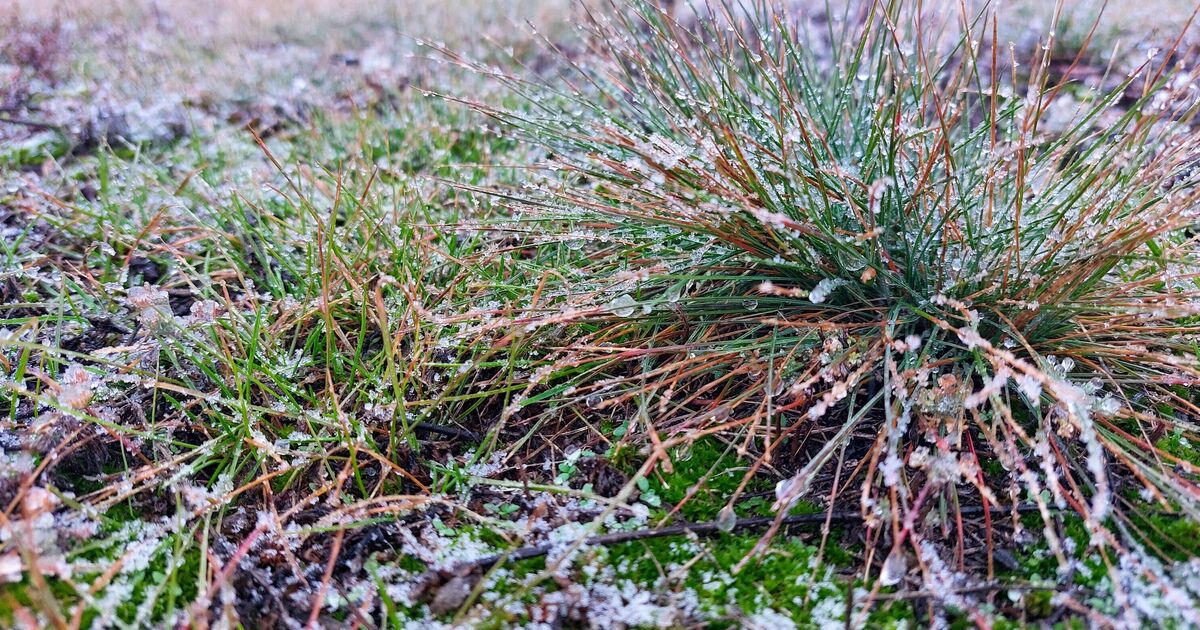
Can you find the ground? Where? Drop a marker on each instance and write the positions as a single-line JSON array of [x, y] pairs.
[[273, 350]]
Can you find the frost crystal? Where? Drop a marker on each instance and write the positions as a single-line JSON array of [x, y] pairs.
[[821, 292]]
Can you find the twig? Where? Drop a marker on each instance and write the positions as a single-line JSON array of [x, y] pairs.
[[700, 529], [451, 432], [967, 590], [36, 124]]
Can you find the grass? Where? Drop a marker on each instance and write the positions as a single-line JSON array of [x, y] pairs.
[[670, 268], [911, 234]]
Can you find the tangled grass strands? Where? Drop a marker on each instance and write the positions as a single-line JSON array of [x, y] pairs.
[[1037, 275]]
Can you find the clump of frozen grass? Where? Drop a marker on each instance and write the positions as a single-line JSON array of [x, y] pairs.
[[868, 223], [288, 328]]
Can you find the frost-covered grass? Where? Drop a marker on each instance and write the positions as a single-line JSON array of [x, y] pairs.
[[344, 353], [957, 259], [232, 351]]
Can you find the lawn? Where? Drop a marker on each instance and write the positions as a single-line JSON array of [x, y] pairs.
[[543, 313]]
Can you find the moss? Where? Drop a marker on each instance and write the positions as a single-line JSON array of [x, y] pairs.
[[783, 579], [18, 594], [1179, 445], [172, 586], [1177, 537], [718, 472], [1037, 563]]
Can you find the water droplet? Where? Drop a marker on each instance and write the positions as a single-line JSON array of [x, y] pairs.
[[894, 568], [726, 519], [623, 305], [674, 292], [750, 304]]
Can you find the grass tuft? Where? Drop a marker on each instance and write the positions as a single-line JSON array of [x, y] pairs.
[[882, 264]]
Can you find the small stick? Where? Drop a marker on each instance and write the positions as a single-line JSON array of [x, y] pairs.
[[702, 529], [36, 124], [447, 431]]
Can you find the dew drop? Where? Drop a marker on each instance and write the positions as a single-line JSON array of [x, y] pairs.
[[894, 568], [623, 305], [726, 519], [674, 292]]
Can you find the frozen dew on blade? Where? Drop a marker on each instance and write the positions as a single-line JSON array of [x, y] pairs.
[[895, 567], [821, 292], [623, 305], [726, 519]]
